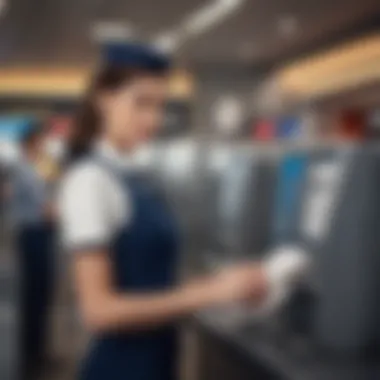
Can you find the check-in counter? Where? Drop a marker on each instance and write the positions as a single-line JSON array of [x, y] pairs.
[[240, 183], [327, 202], [265, 352]]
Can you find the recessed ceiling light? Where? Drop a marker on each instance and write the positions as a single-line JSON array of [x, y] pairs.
[[168, 42], [112, 31]]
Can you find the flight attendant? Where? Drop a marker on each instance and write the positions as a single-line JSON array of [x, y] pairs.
[[121, 234], [33, 218]]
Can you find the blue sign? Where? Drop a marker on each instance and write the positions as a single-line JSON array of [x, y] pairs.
[[289, 194], [13, 127], [289, 128]]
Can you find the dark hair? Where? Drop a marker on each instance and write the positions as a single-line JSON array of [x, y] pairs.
[[86, 123], [31, 135]]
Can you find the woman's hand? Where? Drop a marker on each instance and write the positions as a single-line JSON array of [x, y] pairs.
[[242, 282]]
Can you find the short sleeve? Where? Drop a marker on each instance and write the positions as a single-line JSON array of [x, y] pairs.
[[85, 219]]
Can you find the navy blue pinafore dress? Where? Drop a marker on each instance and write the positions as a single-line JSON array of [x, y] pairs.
[[143, 257]]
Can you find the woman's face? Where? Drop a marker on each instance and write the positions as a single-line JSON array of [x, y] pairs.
[[134, 112]]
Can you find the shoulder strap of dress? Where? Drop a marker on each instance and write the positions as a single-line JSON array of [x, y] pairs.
[[117, 173], [134, 179]]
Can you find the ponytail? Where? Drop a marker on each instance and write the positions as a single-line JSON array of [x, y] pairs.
[[85, 129], [87, 120]]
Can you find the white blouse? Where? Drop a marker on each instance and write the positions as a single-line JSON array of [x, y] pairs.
[[92, 204]]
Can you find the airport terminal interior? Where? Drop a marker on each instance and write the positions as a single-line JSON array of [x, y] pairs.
[[270, 141]]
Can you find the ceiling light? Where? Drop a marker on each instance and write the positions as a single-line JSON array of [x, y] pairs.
[[209, 15], [338, 69], [112, 31], [197, 23], [168, 42]]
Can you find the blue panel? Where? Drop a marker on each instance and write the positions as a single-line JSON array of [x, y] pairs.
[[289, 194], [289, 128], [13, 127]]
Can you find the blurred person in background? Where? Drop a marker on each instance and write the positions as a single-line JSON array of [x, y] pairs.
[[33, 216], [4, 187], [121, 234]]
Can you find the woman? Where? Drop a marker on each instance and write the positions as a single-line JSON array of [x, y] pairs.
[[33, 218], [121, 234]]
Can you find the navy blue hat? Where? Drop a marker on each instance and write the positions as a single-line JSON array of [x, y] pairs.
[[134, 55]]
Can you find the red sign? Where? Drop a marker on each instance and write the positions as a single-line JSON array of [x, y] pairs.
[[60, 126]]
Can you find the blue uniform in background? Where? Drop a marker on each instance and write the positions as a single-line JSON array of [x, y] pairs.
[[34, 240], [143, 256]]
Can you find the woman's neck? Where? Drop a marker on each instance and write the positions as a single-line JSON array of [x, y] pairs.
[[116, 145], [119, 155]]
